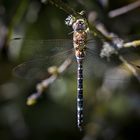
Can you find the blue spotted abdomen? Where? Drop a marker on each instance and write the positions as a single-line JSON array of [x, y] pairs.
[[80, 92]]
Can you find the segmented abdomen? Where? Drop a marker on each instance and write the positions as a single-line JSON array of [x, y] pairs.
[[80, 92]]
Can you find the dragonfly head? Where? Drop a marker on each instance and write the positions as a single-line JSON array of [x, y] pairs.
[[70, 20], [79, 25]]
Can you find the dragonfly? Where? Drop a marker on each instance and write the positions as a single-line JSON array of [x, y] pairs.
[[79, 47]]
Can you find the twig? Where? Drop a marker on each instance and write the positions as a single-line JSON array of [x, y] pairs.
[[134, 43], [55, 72], [124, 9]]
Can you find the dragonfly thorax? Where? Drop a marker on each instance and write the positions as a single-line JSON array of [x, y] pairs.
[[79, 40]]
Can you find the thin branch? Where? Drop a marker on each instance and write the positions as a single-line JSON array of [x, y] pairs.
[[55, 72], [134, 43], [124, 9]]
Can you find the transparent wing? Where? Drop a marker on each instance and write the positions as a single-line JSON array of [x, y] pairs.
[[38, 68], [40, 55], [32, 49]]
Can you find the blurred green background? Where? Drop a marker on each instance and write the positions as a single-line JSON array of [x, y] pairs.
[[111, 107]]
